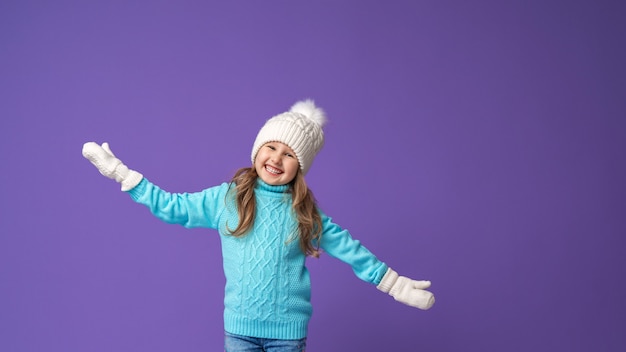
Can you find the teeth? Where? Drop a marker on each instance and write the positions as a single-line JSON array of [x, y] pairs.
[[272, 170]]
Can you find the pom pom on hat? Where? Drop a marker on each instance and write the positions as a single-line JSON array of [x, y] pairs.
[[300, 128], [308, 109]]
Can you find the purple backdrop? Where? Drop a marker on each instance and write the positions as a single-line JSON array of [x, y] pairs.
[[477, 144]]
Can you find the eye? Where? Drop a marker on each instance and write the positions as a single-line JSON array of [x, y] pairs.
[[271, 147], [289, 155]]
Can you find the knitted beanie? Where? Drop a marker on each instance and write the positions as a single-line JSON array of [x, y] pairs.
[[300, 128]]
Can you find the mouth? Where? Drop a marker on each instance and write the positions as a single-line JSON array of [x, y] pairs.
[[272, 170]]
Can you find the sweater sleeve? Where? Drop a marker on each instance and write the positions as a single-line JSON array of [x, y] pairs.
[[338, 243], [200, 209]]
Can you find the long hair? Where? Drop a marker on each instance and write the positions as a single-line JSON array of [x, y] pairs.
[[303, 202]]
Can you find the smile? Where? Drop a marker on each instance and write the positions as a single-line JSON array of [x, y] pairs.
[[273, 170]]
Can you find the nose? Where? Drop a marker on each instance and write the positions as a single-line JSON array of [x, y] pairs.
[[275, 158]]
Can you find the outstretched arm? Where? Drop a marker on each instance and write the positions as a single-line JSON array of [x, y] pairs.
[[199, 209], [338, 243]]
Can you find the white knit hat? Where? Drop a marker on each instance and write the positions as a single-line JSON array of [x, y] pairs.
[[300, 128]]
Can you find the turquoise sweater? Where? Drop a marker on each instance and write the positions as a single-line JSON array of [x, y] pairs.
[[268, 288]]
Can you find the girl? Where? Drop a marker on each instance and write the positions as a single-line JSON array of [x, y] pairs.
[[268, 222]]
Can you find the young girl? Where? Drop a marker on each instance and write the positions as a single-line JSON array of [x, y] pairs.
[[268, 222]]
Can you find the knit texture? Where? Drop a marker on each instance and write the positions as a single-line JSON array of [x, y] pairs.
[[268, 289], [300, 128], [389, 279]]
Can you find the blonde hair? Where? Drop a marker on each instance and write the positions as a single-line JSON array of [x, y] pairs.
[[303, 202]]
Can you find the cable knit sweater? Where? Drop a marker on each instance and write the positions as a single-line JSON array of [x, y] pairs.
[[268, 288]]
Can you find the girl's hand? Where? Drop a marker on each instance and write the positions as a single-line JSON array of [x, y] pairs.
[[407, 291], [105, 161]]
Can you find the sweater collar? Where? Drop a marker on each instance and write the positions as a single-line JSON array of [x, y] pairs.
[[264, 187]]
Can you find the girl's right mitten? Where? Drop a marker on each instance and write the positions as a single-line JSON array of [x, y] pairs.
[[105, 161]]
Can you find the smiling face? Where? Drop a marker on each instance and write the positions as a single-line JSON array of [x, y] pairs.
[[276, 163]]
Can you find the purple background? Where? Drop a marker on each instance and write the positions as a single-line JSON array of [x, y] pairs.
[[477, 144]]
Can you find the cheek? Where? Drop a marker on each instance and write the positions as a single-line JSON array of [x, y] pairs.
[[294, 167], [258, 163], [260, 158]]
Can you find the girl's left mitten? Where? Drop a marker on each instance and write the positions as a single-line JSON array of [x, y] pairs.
[[407, 291]]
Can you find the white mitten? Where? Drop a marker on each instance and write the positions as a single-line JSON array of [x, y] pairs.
[[110, 166], [407, 291]]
